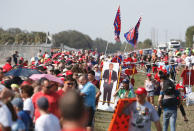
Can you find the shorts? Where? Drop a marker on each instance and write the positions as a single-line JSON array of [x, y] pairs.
[[150, 93], [90, 116]]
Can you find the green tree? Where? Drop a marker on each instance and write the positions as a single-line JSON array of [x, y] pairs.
[[14, 31], [21, 38], [6, 38], [73, 39], [30, 38], [147, 43], [189, 36], [39, 37], [100, 44]]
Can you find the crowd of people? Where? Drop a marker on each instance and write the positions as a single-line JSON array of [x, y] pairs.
[[46, 104]]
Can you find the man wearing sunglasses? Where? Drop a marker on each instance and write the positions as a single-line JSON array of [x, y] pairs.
[[47, 92], [89, 93], [68, 85]]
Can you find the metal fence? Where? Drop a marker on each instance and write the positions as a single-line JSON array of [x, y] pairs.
[[25, 51]]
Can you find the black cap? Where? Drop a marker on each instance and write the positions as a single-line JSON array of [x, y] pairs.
[[126, 81]]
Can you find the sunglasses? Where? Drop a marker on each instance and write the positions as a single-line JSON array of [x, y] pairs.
[[69, 84]]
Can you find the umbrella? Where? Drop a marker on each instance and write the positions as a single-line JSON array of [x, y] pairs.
[[48, 76], [25, 72]]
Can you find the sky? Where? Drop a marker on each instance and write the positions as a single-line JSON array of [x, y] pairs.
[[162, 20]]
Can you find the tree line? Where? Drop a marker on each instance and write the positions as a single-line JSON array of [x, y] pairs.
[[18, 36], [76, 39]]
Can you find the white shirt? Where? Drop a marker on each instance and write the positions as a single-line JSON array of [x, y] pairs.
[[142, 115], [149, 86], [192, 59], [159, 54], [47, 122], [188, 60], [5, 115], [97, 75], [28, 106]]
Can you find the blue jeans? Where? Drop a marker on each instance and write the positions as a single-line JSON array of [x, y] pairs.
[[169, 115]]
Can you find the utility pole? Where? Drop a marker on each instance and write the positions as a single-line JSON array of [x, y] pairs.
[[193, 41], [157, 37], [166, 36], [153, 36]]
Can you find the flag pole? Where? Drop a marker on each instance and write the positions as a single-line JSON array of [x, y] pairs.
[[125, 47], [106, 48], [189, 75]]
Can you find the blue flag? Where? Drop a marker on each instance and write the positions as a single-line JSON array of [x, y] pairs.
[[132, 35]]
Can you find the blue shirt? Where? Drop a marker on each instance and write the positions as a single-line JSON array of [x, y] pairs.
[[168, 67], [90, 94], [25, 117]]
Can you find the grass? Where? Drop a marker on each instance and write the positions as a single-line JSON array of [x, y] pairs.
[[103, 118]]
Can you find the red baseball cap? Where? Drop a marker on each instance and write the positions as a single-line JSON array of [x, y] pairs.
[[69, 72], [21, 58], [141, 91], [62, 78], [149, 75], [25, 83]]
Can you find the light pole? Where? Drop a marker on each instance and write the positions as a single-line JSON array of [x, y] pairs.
[[193, 41]]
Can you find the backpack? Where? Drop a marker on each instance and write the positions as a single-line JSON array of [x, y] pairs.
[[30, 124], [168, 87], [172, 70]]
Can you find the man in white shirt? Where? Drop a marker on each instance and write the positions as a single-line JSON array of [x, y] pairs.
[[97, 72], [142, 113], [47, 121]]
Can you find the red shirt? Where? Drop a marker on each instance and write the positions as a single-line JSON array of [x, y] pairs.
[[60, 92], [134, 59], [52, 97], [156, 77], [7, 67], [166, 58], [96, 83], [129, 59], [155, 51], [161, 68], [47, 60], [181, 87], [185, 76]]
